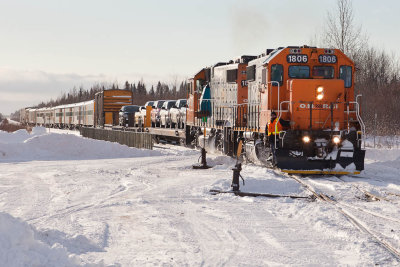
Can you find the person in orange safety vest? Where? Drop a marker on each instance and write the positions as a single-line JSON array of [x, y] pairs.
[[270, 127]]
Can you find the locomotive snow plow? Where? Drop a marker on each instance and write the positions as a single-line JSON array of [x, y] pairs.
[[322, 156]]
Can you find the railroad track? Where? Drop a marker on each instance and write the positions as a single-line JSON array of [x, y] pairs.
[[368, 194], [340, 207]]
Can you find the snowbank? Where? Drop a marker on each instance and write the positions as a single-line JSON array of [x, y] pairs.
[[383, 155], [18, 246], [15, 137], [39, 145], [383, 142], [8, 121], [13, 122]]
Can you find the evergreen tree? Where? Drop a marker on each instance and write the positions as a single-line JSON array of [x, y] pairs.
[[166, 92], [174, 92], [159, 90], [152, 94], [127, 86], [134, 90]]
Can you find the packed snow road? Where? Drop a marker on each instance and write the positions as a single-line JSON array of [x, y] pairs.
[[84, 202]]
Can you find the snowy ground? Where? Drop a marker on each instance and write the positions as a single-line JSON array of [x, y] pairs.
[[71, 201]]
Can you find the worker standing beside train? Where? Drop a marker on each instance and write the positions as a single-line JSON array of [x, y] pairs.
[[273, 128]]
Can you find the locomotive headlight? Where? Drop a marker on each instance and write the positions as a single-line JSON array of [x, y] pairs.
[[336, 139], [306, 139], [320, 92]]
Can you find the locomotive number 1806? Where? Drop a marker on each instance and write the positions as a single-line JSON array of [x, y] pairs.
[[297, 58], [327, 59]]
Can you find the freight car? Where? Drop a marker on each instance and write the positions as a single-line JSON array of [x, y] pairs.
[[108, 104]]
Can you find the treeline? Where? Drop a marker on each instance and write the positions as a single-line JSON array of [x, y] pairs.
[[140, 93], [162, 91], [377, 79], [377, 71]]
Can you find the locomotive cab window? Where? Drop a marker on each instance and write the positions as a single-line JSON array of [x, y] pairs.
[[326, 72], [199, 85], [251, 73], [299, 72], [346, 75], [264, 76], [231, 75], [276, 74]]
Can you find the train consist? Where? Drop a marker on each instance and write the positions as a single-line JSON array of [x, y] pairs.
[[292, 107]]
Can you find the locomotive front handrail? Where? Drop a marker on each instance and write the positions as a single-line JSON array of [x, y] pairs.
[[279, 117], [360, 121], [277, 83]]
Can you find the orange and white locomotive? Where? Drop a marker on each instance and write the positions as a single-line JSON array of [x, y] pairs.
[[318, 128]]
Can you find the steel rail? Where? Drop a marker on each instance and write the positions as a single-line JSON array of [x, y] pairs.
[[359, 224]]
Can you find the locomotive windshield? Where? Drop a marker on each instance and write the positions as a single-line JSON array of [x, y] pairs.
[[326, 72], [277, 74], [300, 72], [345, 74]]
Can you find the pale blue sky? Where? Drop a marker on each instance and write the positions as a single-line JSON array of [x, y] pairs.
[[48, 46]]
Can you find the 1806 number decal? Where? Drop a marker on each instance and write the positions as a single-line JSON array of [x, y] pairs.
[[297, 58], [327, 59]]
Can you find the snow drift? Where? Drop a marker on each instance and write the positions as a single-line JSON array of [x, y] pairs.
[[39, 145], [18, 246]]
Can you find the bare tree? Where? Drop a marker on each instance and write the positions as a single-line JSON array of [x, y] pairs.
[[341, 31], [377, 72]]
